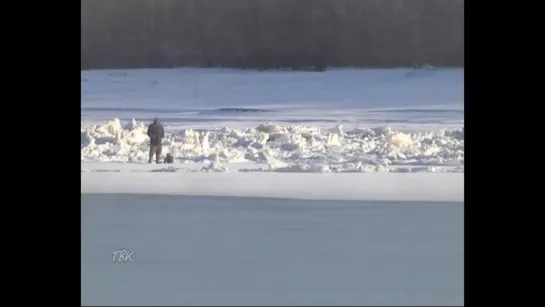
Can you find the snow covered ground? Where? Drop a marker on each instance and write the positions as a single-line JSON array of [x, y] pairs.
[[342, 120], [224, 251], [354, 186], [287, 187]]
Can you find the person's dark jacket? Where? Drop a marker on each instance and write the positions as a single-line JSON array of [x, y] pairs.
[[156, 133]]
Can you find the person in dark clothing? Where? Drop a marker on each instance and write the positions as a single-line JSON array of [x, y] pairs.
[[156, 134]]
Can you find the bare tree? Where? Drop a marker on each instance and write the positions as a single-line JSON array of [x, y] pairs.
[[265, 34]]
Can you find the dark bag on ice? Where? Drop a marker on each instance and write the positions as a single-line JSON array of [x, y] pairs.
[[169, 159]]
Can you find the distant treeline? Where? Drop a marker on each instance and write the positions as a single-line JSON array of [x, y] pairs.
[[263, 34]]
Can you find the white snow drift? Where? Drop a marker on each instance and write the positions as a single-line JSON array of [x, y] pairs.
[[294, 148]]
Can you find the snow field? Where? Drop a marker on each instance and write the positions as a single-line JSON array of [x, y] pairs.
[[283, 148]]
